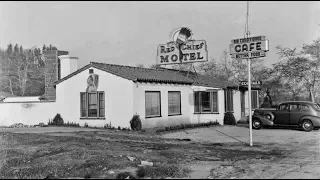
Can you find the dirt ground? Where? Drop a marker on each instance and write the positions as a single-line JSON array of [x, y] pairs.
[[208, 152], [300, 152]]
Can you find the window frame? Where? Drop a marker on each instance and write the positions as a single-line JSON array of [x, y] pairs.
[[175, 114], [145, 104], [86, 94], [199, 93]]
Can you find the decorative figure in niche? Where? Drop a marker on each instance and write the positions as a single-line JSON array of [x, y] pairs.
[[92, 82]]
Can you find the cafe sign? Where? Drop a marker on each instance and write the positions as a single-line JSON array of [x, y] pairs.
[[182, 49], [253, 47]]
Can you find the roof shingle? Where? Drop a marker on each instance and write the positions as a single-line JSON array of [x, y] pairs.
[[161, 75]]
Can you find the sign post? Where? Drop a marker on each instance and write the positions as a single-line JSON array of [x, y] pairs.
[[249, 48], [249, 94]]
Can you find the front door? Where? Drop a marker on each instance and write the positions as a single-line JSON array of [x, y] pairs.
[[295, 113], [281, 116]]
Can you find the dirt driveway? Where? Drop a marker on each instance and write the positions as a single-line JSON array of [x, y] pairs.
[[301, 150]]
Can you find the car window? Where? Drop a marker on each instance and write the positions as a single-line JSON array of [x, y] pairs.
[[294, 107], [316, 107], [305, 108], [284, 107]]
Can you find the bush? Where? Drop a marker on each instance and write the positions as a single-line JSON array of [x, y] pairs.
[[57, 121], [135, 123], [229, 119]]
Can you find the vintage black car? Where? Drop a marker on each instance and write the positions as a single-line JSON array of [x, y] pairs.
[[303, 114]]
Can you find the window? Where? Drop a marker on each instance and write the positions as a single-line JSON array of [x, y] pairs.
[[294, 107], [206, 102], [305, 108], [316, 107], [228, 95], [197, 102], [152, 104], [284, 107], [254, 99], [92, 104], [174, 103]]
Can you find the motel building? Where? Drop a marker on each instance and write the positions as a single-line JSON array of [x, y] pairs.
[[100, 93]]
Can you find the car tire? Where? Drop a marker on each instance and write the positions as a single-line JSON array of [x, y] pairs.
[[307, 125], [256, 124]]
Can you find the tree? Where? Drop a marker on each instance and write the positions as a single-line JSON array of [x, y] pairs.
[[22, 70], [44, 49], [298, 72], [181, 66], [209, 68], [313, 75]]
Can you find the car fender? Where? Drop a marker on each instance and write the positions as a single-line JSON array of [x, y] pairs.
[[314, 119], [264, 121], [269, 113]]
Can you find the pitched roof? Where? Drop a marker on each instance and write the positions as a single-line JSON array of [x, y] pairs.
[[161, 75]]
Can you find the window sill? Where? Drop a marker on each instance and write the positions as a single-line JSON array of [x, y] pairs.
[[93, 118], [206, 113], [229, 111], [147, 117], [174, 114]]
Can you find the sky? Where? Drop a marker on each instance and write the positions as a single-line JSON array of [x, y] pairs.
[[128, 33]]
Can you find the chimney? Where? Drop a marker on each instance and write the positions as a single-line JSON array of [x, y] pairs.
[[69, 65], [52, 72]]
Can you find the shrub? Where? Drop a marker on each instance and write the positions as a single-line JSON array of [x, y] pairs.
[[229, 119], [135, 123], [57, 120], [86, 124]]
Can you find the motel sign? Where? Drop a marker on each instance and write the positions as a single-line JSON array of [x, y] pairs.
[[192, 51], [182, 49]]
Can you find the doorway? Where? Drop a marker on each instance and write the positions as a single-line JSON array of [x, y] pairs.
[[242, 100]]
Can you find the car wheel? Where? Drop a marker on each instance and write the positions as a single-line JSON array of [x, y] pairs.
[[256, 124], [307, 125]]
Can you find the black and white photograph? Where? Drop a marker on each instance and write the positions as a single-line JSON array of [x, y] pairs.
[[159, 90]]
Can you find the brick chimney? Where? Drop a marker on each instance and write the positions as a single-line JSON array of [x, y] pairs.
[[52, 72]]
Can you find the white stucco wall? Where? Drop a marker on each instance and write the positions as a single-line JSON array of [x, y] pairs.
[[237, 105], [118, 99], [28, 113], [187, 105]]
